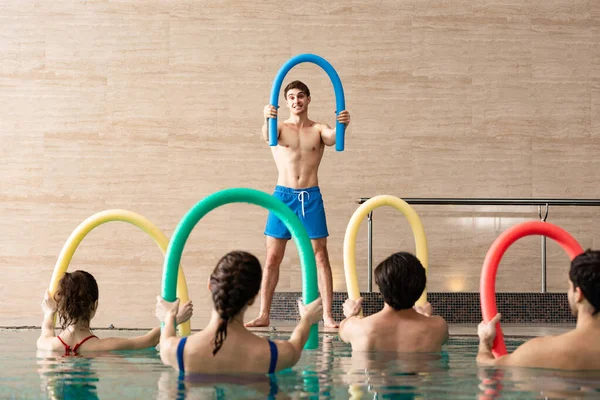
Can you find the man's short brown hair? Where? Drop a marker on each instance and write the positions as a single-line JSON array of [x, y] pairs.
[[296, 85]]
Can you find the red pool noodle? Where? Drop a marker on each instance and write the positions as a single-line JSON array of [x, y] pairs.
[[487, 286]]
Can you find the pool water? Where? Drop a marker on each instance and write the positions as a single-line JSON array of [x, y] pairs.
[[331, 371]]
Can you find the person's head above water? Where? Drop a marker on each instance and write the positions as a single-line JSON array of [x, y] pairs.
[[301, 86], [297, 97], [234, 284], [76, 299], [401, 279], [584, 281]]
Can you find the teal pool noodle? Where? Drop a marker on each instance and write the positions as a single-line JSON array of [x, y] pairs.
[[251, 196]]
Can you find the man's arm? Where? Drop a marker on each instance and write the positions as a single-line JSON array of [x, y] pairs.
[[487, 333], [269, 112], [349, 326], [529, 354], [328, 134], [485, 356]]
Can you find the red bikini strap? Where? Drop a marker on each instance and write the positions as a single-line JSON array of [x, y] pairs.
[[67, 347], [83, 341]]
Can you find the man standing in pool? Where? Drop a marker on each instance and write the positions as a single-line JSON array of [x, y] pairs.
[[301, 143], [578, 349], [400, 327]]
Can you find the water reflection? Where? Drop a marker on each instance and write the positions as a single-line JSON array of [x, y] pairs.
[[222, 386], [537, 383], [332, 371], [391, 375], [67, 377]]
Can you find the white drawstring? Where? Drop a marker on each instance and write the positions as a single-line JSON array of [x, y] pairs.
[[301, 199]]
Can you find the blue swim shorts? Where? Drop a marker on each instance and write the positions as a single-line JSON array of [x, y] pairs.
[[307, 204]]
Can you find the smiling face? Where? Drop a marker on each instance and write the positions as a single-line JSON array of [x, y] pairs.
[[297, 101]]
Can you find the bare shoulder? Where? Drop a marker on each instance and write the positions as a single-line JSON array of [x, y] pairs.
[[320, 126], [532, 353], [49, 344], [355, 322], [97, 344], [541, 343], [283, 125], [437, 322], [353, 327], [375, 324], [439, 325]]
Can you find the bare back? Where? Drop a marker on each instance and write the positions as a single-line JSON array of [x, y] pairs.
[[398, 331], [298, 154], [241, 352], [578, 349]]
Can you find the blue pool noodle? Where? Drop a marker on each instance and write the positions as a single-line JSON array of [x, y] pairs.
[[340, 102]]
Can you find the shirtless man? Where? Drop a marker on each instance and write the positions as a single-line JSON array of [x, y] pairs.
[[578, 349], [301, 143], [399, 327]]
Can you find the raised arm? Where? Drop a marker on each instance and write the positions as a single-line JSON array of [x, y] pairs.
[[170, 314], [146, 341], [290, 350], [533, 353], [269, 112], [487, 333], [150, 339], [348, 327], [328, 133], [49, 306]]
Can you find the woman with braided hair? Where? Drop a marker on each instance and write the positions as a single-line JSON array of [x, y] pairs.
[[226, 345]]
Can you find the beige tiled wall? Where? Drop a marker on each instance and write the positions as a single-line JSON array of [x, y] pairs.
[[150, 106]]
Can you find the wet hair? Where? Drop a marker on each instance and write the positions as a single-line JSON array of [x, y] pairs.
[[296, 85], [76, 298], [233, 283], [585, 275], [401, 279]]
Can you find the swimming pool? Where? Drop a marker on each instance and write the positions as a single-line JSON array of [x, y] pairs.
[[332, 371]]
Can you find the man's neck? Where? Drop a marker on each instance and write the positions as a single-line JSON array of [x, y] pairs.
[[298, 119], [406, 312], [586, 320]]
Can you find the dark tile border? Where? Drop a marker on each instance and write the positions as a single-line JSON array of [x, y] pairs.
[[516, 308]]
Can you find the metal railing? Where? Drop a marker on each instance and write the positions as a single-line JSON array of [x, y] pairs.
[[481, 202]]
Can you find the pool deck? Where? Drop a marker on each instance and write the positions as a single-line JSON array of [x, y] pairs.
[[515, 330]]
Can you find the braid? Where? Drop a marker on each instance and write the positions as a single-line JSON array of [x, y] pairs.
[[234, 282], [221, 300]]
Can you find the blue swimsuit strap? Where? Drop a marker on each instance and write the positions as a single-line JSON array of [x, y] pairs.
[[274, 355], [180, 347], [272, 346]]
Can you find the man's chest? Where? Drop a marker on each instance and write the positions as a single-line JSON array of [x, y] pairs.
[[306, 139]]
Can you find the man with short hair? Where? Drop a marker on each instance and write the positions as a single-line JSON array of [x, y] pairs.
[[298, 154], [578, 349], [400, 327]]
